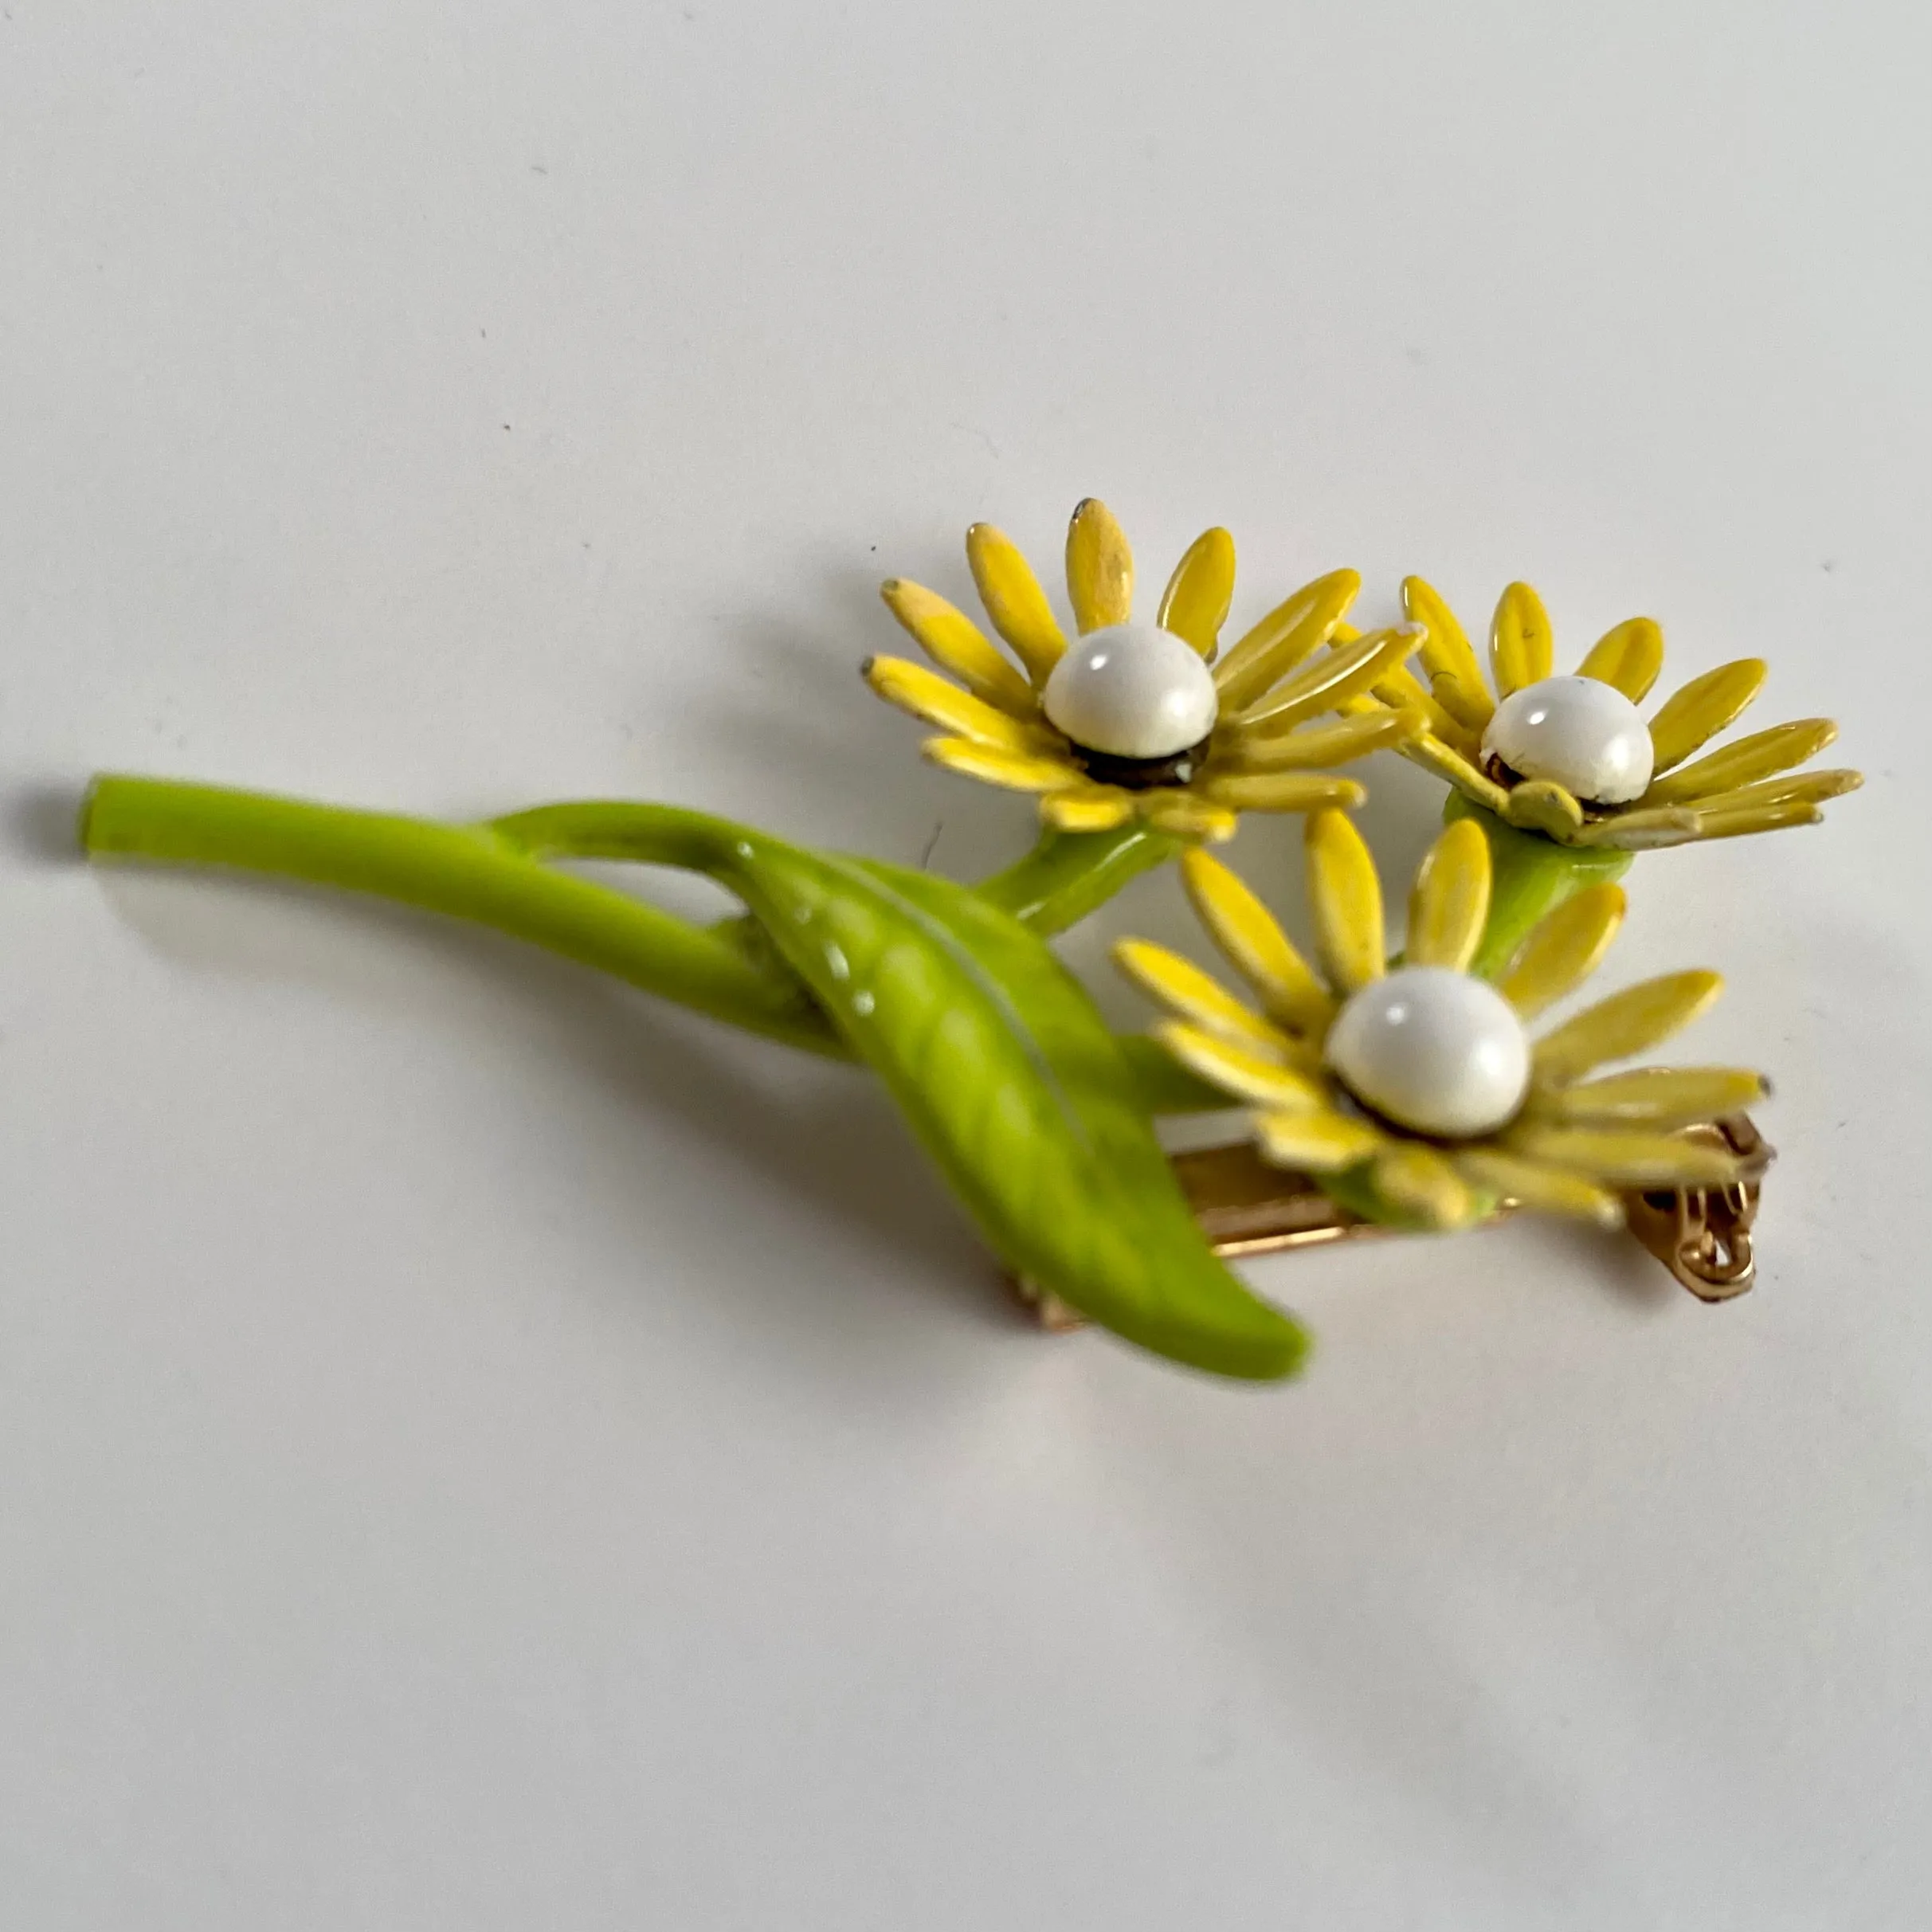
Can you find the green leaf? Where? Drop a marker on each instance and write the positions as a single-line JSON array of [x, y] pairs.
[[1019, 1092]]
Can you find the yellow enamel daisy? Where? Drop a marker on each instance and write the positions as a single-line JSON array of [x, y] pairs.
[[1245, 738], [1333, 1099], [1749, 786]]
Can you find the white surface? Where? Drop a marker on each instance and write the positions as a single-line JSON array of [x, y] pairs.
[[477, 1451]]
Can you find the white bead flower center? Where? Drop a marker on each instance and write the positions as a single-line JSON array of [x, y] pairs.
[[1433, 1050], [1577, 732], [1132, 690]]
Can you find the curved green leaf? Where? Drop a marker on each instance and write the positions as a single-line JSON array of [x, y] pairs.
[[1017, 1090]]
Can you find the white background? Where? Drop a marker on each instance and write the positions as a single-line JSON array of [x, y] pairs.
[[479, 1450]]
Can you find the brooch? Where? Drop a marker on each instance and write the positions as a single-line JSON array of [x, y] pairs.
[[1431, 1085]]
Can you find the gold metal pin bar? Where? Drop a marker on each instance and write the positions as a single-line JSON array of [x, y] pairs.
[[1703, 1235]]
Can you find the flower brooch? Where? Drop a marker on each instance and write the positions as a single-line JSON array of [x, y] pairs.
[[1384, 1089]]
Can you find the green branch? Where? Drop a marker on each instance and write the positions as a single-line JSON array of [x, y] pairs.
[[1530, 877], [1070, 874], [490, 875], [465, 874]]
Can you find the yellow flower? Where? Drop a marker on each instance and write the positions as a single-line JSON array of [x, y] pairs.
[[1601, 776], [1419, 1082], [1128, 723]]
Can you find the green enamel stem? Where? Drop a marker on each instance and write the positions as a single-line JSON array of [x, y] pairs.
[[619, 829], [1531, 876], [1068, 875], [664, 835], [488, 875], [465, 874]]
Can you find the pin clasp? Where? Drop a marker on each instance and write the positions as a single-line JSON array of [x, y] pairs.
[[1703, 1235]]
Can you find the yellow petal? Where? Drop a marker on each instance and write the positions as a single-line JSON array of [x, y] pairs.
[[1473, 719], [926, 695], [1194, 606], [1762, 755], [1296, 627], [954, 643], [1344, 672], [1702, 708], [1520, 649], [1548, 1190], [1450, 903], [1016, 771], [1628, 655], [1234, 1070], [1760, 818], [1087, 808], [1100, 568], [1538, 805], [1626, 1159], [1434, 755], [1189, 815], [1447, 655], [1642, 829], [1255, 946], [1656, 1098], [1788, 788], [1317, 1143], [1417, 1178], [1627, 1023], [1280, 791], [1322, 746], [1563, 948], [1347, 899], [1401, 690], [1181, 987], [1014, 600]]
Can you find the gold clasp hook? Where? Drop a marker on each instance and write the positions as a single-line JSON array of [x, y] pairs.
[[1703, 1235]]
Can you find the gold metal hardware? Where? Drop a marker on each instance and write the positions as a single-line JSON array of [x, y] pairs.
[[1703, 1235]]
